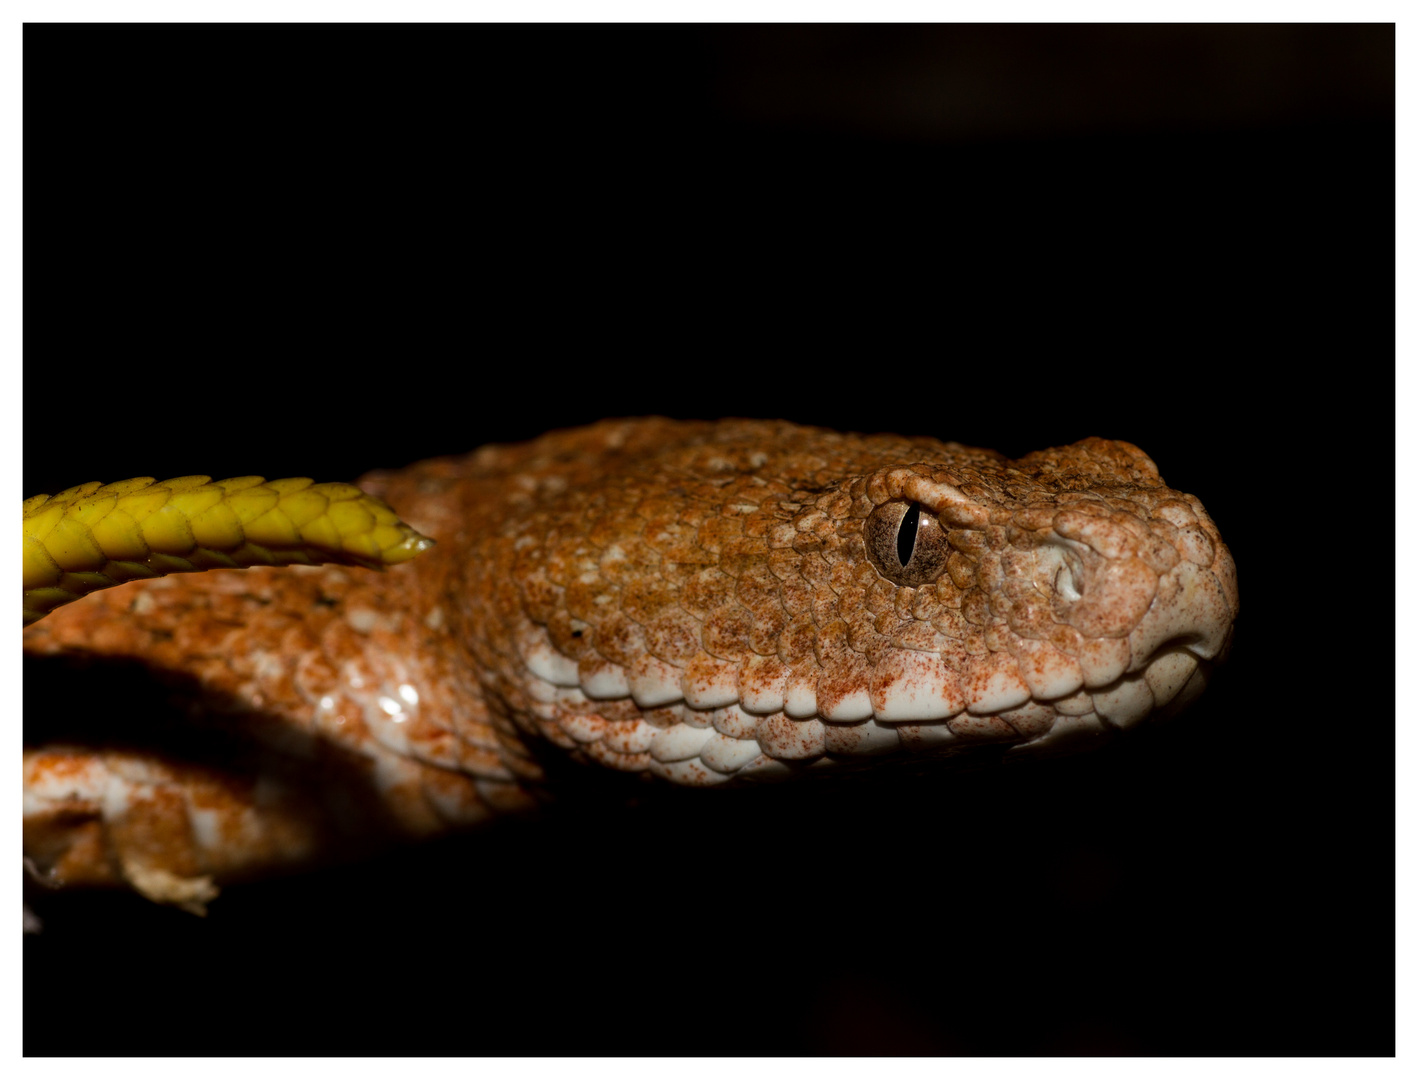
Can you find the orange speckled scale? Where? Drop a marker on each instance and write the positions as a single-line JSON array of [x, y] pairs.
[[702, 603]]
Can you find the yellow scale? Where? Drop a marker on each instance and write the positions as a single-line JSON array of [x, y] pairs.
[[95, 536]]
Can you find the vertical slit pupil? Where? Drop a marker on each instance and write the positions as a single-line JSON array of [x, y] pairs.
[[906, 534]]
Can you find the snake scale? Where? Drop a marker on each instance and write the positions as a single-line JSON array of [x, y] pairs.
[[703, 603]]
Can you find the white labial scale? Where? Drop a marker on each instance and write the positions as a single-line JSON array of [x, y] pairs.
[[545, 662], [919, 737], [911, 685], [761, 684], [1048, 672], [800, 700], [601, 753], [543, 710], [1076, 704], [1066, 730], [1124, 703], [1102, 660], [992, 684], [679, 742], [1168, 674], [584, 727], [783, 737], [861, 739], [690, 773], [604, 681], [725, 754], [711, 691], [734, 722], [1194, 686], [653, 682], [764, 767], [540, 690], [990, 728], [1030, 719], [560, 699], [695, 718], [850, 707], [629, 736]]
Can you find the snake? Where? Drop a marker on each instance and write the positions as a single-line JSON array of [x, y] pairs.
[[703, 604]]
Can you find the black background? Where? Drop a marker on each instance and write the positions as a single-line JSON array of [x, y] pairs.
[[321, 250]]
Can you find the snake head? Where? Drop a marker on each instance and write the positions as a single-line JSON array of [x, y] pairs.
[[1088, 596], [799, 612]]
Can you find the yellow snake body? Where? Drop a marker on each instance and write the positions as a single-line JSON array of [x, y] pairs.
[[94, 536], [701, 603]]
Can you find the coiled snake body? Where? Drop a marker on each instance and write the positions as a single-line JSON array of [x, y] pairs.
[[705, 603]]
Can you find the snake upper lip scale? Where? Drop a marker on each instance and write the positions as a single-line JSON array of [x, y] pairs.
[[701, 602]]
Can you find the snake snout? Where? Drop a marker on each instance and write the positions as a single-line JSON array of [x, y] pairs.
[[1191, 613]]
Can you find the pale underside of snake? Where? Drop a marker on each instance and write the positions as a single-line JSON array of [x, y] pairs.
[[702, 603]]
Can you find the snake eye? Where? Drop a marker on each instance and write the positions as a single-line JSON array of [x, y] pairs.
[[905, 543]]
